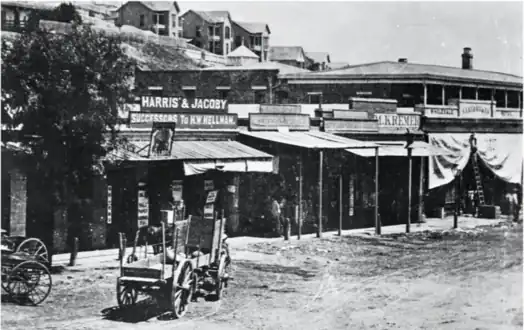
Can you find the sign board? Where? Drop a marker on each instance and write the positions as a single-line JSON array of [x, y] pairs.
[[271, 122], [186, 120], [209, 210], [348, 114], [109, 204], [398, 121], [350, 126], [232, 188], [181, 104], [280, 108], [162, 136], [143, 206], [475, 109], [439, 111], [208, 185], [211, 196], [177, 188], [508, 114]]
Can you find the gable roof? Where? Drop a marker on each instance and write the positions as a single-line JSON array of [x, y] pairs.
[[254, 27], [319, 57], [217, 16], [242, 51], [285, 53], [282, 68], [338, 65], [156, 5], [390, 69]]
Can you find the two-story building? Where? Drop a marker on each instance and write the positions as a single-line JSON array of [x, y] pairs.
[[16, 14], [318, 61], [290, 55], [159, 17], [254, 36], [209, 30]]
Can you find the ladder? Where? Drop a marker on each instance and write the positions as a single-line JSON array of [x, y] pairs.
[[478, 179]]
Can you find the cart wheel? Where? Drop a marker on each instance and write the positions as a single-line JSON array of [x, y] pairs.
[[221, 277], [29, 282], [182, 290], [34, 247], [131, 258], [126, 295]]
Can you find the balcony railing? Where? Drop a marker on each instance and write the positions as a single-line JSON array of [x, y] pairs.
[[13, 26]]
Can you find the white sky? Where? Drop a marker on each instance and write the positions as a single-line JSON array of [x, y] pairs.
[[360, 32]]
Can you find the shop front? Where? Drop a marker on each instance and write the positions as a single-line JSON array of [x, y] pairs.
[[484, 161], [308, 165]]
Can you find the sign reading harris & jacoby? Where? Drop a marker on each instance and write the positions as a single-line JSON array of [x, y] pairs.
[[181, 104], [186, 120]]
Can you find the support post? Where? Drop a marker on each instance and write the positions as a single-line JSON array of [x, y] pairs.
[[320, 184], [457, 201], [300, 196], [377, 220], [425, 94], [519, 100], [505, 99], [410, 168], [340, 197], [476, 93], [460, 93], [443, 95], [74, 252], [421, 192]]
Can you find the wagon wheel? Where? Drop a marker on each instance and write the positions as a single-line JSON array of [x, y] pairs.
[[126, 295], [34, 247], [182, 290], [221, 277], [29, 281]]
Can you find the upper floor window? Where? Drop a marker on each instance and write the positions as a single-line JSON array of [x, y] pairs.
[[210, 30], [173, 21], [160, 19], [217, 30], [258, 41], [180, 20], [198, 31], [315, 98], [238, 41], [189, 93], [142, 20], [228, 32]]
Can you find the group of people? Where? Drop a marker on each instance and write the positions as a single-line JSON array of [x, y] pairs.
[[281, 214]]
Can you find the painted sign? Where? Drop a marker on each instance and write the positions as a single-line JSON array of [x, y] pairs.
[[280, 108], [211, 196], [349, 114], [143, 206], [208, 185], [181, 104], [109, 204], [271, 122], [348, 125], [186, 120], [161, 141], [209, 210], [398, 121], [508, 114], [475, 109], [432, 111], [176, 189]]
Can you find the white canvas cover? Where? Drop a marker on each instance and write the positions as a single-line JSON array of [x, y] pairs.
[[501, 153]]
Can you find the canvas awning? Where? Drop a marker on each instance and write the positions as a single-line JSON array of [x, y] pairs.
[[311, 140], [398, 149], [201, 156]]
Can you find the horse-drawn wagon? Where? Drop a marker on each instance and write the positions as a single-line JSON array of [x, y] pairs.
[[196, 263], [25, 269]]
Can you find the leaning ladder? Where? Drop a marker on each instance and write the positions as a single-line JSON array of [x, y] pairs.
[[478, 179]]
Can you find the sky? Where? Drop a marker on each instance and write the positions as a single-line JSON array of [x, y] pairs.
[[362, 32]]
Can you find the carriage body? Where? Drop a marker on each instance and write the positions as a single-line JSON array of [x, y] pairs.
[[187, 266]]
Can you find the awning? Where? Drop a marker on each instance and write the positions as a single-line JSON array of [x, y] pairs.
[[398, 149], [311, 140], [201, 156]]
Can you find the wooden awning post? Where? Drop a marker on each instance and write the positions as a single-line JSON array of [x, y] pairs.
[[377, 220], [421, 192], [340, 197], [408, 221], [300, 197], [320, 184]]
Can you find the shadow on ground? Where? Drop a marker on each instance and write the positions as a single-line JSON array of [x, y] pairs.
[[144, 310]]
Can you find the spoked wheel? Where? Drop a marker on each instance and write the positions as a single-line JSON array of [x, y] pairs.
[[126, 295], [182, 290], [29, 282], [35, 248]]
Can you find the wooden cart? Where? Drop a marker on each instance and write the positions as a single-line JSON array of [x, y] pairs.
[[195, 263]]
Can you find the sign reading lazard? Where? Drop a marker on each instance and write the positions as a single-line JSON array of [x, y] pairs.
[[181, 104], [273, 122], [186, 120]]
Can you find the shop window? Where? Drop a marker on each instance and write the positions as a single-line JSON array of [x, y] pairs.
[[223, 94], [260, 97], [189, 93]]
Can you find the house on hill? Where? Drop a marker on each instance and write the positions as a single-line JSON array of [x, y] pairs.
[[160, 17], [242, 56], [318, 61], [254, 36], [15, 14], [293, 55], [209, 30]]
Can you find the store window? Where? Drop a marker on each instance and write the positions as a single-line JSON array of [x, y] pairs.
[[260, 97], [189, 93]]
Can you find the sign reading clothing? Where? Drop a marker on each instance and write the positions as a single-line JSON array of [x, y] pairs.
[[181, 104], [183, 120], [268, 121], [475, 109]]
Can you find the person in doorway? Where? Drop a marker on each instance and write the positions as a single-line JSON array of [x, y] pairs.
[[276, 214]]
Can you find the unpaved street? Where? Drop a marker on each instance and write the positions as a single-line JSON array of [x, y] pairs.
[[458, 280]]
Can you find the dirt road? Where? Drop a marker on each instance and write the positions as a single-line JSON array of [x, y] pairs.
[[456, 280]]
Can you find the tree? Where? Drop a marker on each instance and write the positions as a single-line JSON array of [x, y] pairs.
[[63, 93], [65, 13]]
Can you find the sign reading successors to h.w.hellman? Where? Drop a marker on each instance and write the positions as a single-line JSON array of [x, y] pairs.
[[181, 104]]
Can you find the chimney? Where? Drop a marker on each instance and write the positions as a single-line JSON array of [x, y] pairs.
[[403, 60], [467, 59]]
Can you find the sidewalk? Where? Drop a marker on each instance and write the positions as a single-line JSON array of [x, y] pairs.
[[95, 258]]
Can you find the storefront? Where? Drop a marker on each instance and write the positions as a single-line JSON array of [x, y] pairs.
[[484, 159], [307, 160]]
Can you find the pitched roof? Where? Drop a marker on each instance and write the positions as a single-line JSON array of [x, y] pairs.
[[338, 65], [319, 57], [157, 5], [282, 68], [218, 16], [29, 4], [243, 51], [283, 53], [392, 69], [254, 27]]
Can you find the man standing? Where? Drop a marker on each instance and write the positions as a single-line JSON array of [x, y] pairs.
[[276, 214]]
